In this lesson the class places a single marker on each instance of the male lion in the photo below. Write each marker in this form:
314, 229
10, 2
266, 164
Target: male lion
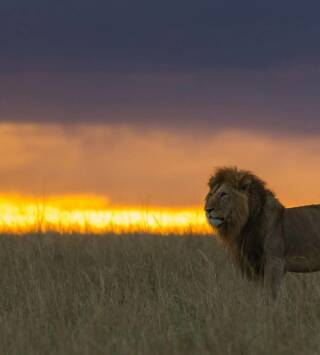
264, 238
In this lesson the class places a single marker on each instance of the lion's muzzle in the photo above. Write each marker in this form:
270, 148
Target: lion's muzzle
213, 217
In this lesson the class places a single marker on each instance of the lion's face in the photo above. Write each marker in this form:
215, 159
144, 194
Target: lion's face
226, 207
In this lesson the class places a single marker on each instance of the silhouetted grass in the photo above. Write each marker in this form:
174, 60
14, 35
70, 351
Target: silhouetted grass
144, 295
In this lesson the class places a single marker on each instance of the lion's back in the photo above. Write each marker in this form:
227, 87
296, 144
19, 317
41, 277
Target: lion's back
301, 227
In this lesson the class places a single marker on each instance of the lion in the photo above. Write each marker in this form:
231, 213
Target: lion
265, 239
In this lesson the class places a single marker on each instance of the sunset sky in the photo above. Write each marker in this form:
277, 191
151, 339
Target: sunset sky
136, 102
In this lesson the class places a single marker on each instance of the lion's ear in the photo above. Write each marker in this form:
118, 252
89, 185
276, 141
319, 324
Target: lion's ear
245, 182
212, 181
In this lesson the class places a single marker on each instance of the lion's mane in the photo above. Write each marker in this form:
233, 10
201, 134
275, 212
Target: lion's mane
246, 245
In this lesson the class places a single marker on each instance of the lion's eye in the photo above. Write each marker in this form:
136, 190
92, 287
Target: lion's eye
222, 193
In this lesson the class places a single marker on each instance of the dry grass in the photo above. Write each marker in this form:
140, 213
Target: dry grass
144, 295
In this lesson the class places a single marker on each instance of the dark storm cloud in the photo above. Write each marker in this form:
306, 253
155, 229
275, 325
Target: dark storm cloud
167, 32
275, 101
212, 63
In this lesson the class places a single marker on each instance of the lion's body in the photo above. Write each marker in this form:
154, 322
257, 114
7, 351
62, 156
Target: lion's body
265, 238
301, 234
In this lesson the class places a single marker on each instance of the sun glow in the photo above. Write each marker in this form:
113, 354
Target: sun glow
92, 214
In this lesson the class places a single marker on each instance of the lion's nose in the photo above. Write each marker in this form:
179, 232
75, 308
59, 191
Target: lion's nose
209, 210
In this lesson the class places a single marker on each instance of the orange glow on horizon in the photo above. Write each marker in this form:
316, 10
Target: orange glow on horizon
166, 167
91, 214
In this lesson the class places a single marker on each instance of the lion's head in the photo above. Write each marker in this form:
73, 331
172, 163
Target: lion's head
233, 197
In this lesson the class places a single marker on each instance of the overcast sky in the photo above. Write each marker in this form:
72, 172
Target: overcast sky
205, 63
138, 100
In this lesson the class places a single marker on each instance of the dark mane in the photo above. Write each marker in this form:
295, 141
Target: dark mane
250, 247
247, 247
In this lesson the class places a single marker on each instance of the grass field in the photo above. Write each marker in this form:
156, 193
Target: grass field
144, 295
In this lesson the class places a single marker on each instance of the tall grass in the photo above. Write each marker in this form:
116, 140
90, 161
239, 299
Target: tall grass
144, 295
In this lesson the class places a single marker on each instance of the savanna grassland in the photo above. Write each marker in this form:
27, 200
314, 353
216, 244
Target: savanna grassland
144, 294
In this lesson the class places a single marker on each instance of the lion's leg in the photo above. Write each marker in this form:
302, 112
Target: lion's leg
273, 273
